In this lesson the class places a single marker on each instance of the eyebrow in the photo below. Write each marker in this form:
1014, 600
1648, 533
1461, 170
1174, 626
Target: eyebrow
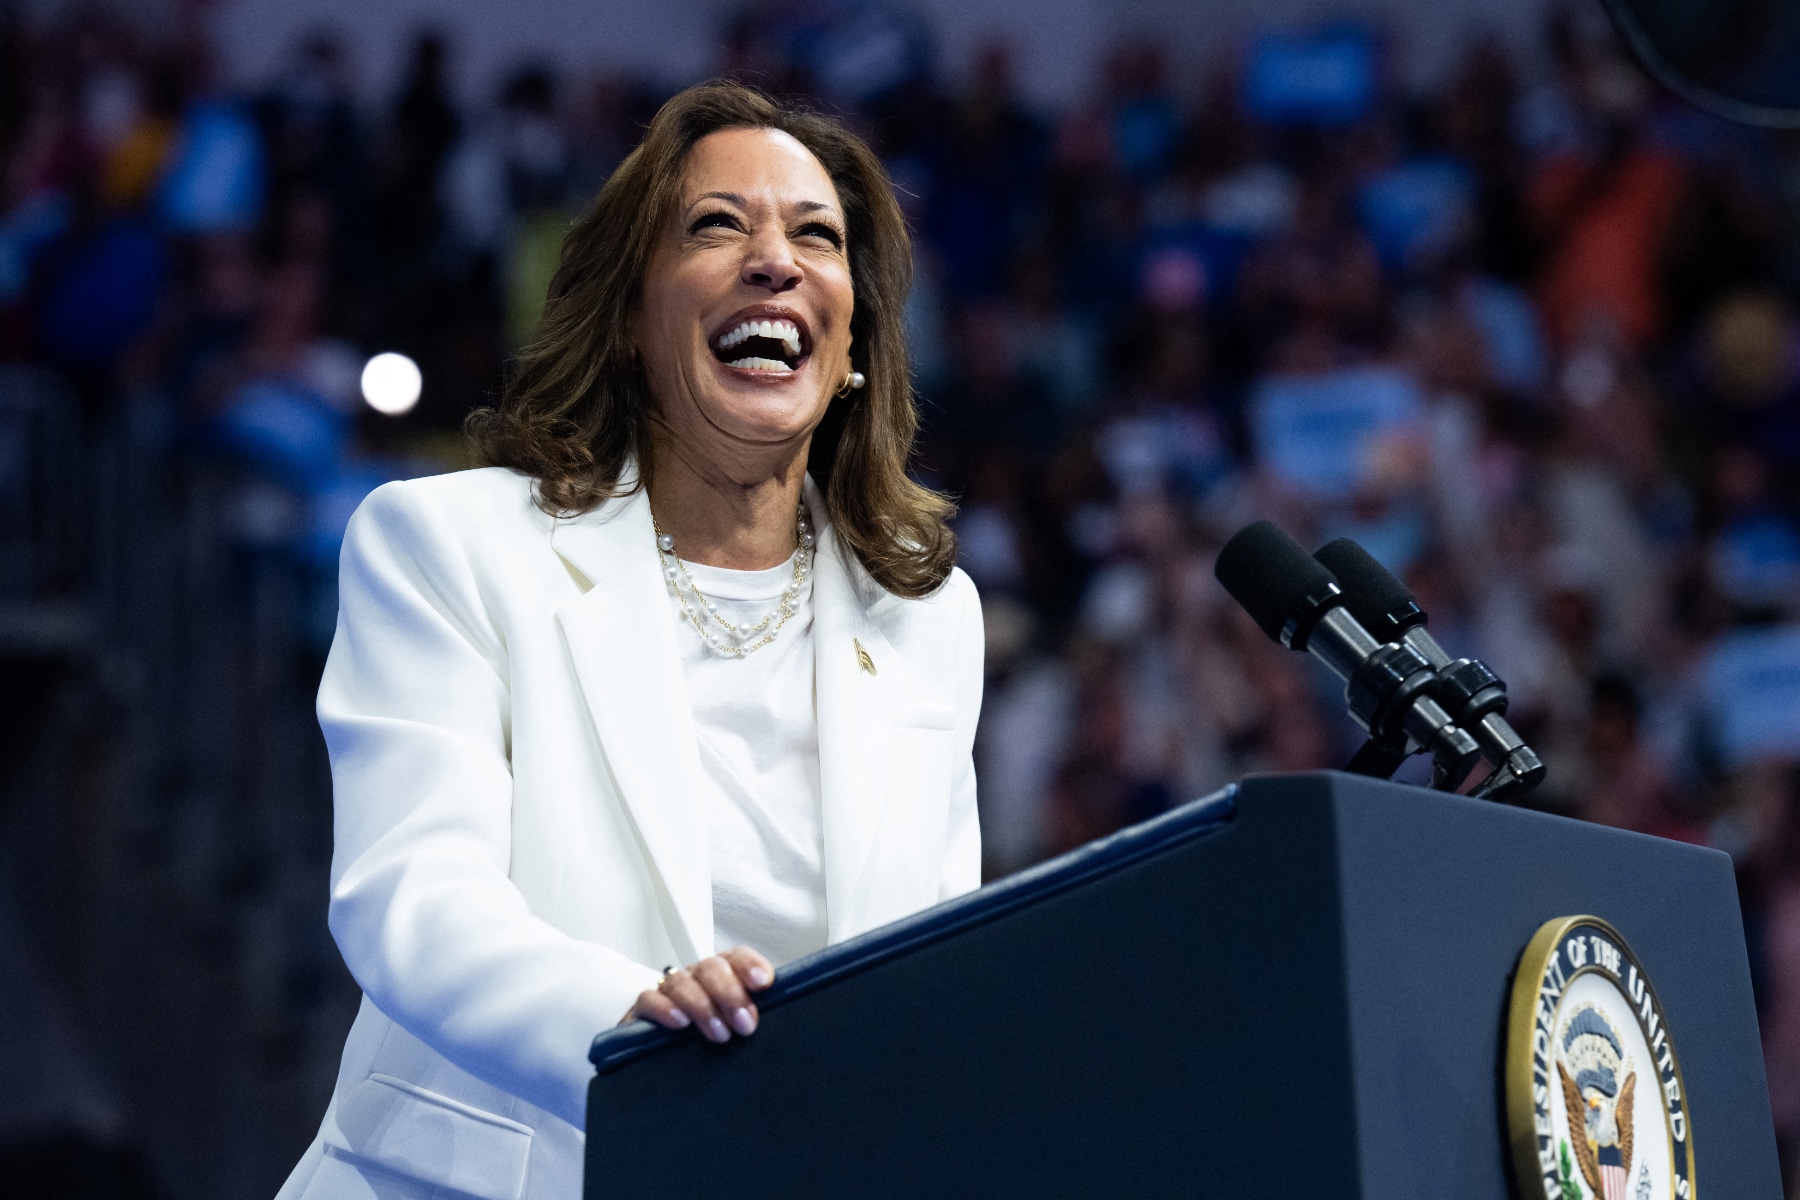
804, 206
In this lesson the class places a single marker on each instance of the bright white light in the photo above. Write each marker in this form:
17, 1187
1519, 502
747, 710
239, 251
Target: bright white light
391, 383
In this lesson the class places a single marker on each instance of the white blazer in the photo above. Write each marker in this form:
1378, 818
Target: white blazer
520, 842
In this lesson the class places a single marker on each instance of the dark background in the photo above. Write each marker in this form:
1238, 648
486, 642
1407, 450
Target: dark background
1520, 322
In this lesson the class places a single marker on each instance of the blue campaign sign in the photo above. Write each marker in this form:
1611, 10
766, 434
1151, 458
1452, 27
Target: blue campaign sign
1319, 433
1325, 77
214, 181
1415, 209
1756, 559
1752, 687
284, 430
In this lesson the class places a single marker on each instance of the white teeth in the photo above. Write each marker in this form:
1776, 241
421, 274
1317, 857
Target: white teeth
784, 331
761, 364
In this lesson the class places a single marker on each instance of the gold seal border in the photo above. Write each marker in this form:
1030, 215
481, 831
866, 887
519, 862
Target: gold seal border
1528, 983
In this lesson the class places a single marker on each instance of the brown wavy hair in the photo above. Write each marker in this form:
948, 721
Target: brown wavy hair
576, 408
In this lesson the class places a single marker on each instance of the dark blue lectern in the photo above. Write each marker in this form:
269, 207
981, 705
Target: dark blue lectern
1296, 988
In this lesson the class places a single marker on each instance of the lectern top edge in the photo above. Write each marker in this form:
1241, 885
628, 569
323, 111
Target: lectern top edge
617, 1047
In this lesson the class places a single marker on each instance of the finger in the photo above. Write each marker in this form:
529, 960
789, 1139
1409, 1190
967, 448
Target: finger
753, 970
652, 1005
687, 993
728, 995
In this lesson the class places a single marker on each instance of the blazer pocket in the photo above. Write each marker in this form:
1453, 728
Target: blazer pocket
926, 716
432, 1138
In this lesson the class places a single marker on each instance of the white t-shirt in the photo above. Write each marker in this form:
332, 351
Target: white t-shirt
756, 719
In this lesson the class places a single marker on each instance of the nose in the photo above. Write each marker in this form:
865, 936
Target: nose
769, 261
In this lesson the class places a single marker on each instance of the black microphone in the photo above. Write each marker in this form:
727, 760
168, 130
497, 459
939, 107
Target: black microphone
1388, 687
1468, 689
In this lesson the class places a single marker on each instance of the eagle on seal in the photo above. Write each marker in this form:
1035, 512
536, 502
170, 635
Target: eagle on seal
1602, 1136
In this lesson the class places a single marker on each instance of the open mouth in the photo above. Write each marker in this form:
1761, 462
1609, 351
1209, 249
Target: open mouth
773, 344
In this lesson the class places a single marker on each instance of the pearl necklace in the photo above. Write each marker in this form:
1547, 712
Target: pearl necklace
699, 610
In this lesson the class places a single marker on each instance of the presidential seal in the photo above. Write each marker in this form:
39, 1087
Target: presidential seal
1594, 1101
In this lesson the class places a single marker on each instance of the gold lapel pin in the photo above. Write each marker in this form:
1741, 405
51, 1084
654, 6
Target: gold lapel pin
862, 657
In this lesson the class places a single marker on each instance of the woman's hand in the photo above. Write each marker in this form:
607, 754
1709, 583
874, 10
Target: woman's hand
714, 994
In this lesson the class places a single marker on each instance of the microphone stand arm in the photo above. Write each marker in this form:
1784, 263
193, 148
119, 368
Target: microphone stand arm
1388, 689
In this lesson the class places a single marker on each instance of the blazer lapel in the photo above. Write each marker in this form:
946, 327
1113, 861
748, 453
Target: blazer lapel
622, 640
857, 703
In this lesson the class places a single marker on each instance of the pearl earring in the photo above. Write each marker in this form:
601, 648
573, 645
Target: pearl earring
853, 380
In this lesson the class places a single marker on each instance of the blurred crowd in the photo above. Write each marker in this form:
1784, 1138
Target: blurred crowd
1530, 336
